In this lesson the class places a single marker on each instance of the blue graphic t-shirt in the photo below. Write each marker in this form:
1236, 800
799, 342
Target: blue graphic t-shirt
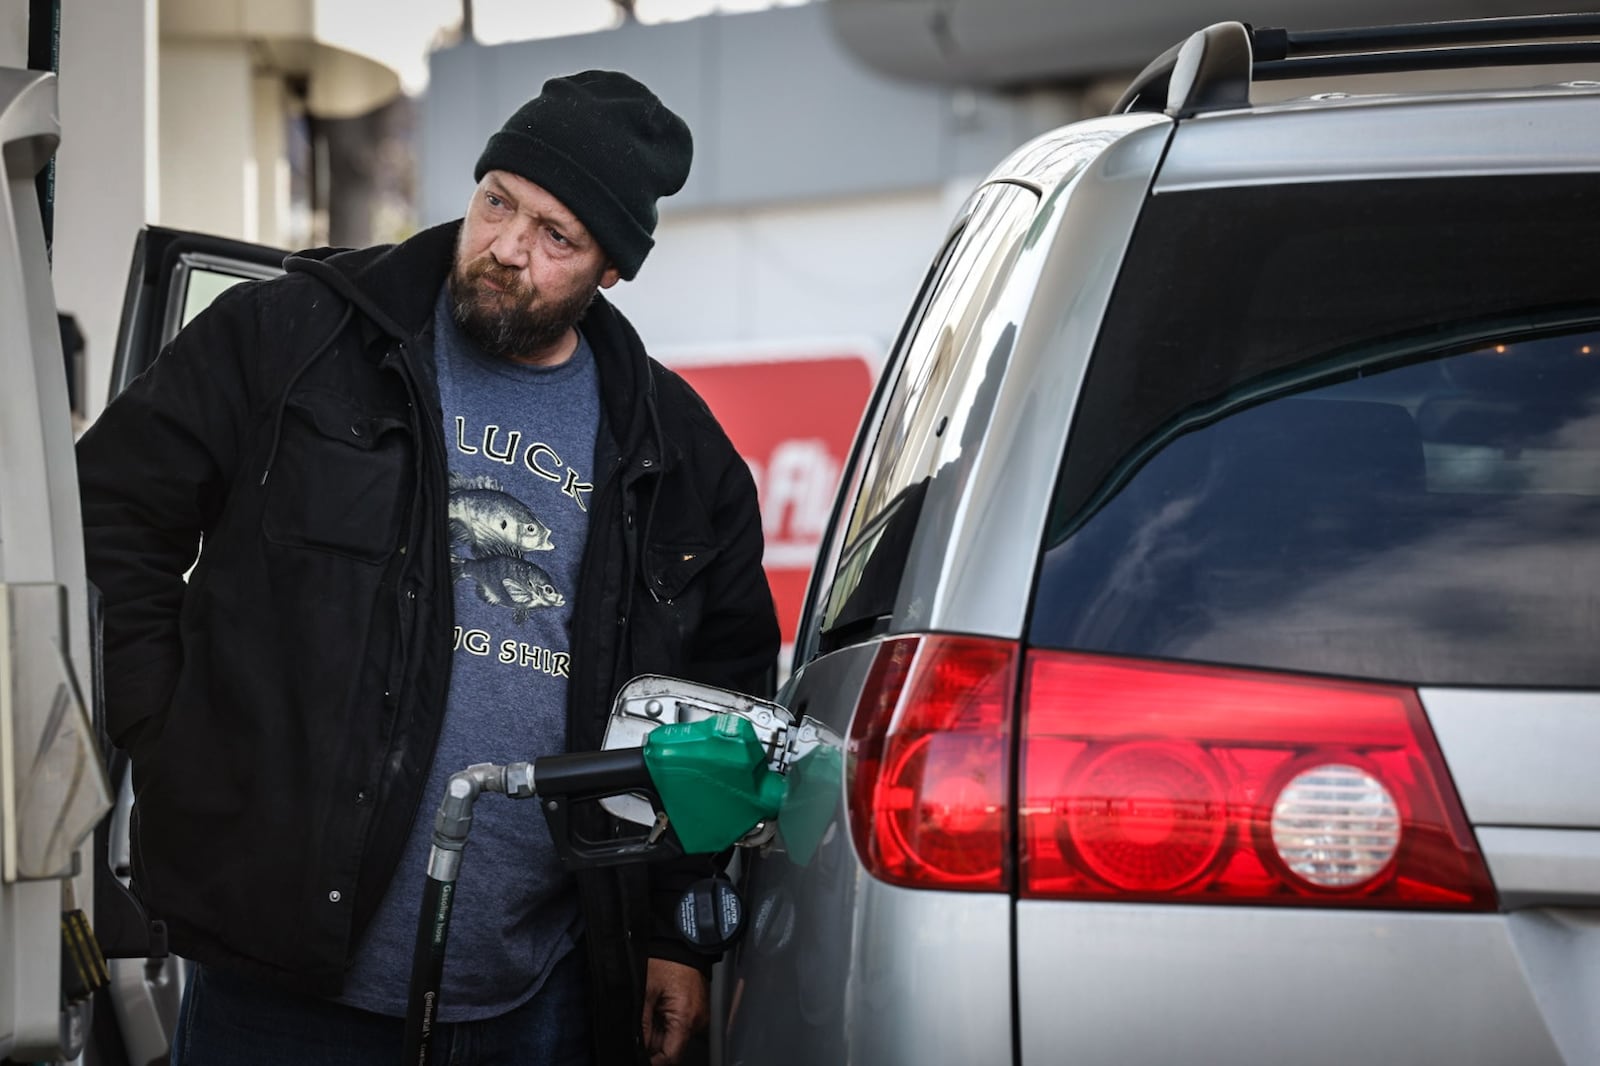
520, 442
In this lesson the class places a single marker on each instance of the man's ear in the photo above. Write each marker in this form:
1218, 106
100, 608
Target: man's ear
611, 276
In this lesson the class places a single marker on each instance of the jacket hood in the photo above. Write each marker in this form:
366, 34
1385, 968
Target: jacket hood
394, 285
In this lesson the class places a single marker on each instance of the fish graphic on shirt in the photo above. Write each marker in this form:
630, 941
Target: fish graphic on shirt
487, 520
508, 581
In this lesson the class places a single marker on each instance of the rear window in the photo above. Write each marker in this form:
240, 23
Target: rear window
1349, 429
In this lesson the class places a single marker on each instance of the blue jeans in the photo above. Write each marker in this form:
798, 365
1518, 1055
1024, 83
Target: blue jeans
227, 1020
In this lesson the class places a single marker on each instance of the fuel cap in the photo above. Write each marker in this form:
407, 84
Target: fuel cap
710, 915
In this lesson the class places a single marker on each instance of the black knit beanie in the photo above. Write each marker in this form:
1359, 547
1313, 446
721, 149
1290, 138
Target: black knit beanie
604, 146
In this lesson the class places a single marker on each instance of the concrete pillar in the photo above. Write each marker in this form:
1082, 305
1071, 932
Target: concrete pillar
271, 114
106, 185
13, 33
209, 177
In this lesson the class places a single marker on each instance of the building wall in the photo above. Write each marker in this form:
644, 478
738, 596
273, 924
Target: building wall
13, 33
779, 110
106, 169
1018, 42
820, 190
180, 112
843, 268
210, 176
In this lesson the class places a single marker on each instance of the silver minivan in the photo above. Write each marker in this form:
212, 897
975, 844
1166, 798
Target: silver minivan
1209, 624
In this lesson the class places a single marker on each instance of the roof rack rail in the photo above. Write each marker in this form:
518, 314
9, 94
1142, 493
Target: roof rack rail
1499, 55
1210, 69
1213, 69
1276, 44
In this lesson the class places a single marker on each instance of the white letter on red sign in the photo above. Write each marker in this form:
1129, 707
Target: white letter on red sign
799, 486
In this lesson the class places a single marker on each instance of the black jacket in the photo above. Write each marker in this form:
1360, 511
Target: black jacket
283, 706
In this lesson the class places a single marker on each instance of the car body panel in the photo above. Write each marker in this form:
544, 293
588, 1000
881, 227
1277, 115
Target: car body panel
1374, 138
1054, 158
1120, 983
826, 972
841, 967
1542, 867
1351, 985
1521, 758
981, 582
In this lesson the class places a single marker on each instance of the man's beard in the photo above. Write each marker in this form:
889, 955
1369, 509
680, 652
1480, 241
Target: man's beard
511, 324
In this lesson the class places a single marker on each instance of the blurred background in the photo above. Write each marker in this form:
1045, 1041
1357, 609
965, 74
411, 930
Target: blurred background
834, 141
834, 138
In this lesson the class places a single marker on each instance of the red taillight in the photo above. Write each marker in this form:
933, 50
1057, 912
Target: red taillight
1189, 783
929, 780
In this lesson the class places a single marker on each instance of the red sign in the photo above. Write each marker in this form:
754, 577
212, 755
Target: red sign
792, 417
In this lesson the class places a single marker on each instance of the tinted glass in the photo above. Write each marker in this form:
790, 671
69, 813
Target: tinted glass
1222, 287
945, 376
1372, 449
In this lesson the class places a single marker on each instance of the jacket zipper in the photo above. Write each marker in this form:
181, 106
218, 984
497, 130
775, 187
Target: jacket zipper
405, 594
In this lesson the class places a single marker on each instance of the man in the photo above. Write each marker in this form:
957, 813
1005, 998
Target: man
444, 505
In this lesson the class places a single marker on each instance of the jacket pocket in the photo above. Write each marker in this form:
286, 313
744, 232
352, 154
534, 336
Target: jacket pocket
669, 569
340, 478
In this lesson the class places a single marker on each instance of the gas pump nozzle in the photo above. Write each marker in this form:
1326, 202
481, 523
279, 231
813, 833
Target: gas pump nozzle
565, 781
708, 781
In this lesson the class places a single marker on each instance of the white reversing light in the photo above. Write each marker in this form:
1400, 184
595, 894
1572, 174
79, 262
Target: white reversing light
1335, 825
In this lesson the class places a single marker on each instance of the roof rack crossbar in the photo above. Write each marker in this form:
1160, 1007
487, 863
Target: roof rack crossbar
1213, 68
1277, 44
1429, 59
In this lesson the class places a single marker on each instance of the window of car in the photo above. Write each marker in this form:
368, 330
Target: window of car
1350, 429
945, 374
172, 277
200, 279
823, 574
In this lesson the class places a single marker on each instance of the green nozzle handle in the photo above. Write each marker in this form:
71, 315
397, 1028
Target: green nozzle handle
713, 779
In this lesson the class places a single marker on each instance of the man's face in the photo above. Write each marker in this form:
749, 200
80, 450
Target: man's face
525, 271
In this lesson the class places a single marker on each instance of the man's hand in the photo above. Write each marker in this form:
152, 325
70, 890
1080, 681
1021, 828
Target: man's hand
675, 1008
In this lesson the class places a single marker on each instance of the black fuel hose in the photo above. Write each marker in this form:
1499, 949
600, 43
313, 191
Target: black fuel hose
427, 968
561, 778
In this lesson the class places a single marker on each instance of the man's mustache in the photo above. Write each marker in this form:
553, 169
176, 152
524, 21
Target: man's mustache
507, 279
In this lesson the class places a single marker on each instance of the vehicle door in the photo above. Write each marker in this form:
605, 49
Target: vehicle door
173, 276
